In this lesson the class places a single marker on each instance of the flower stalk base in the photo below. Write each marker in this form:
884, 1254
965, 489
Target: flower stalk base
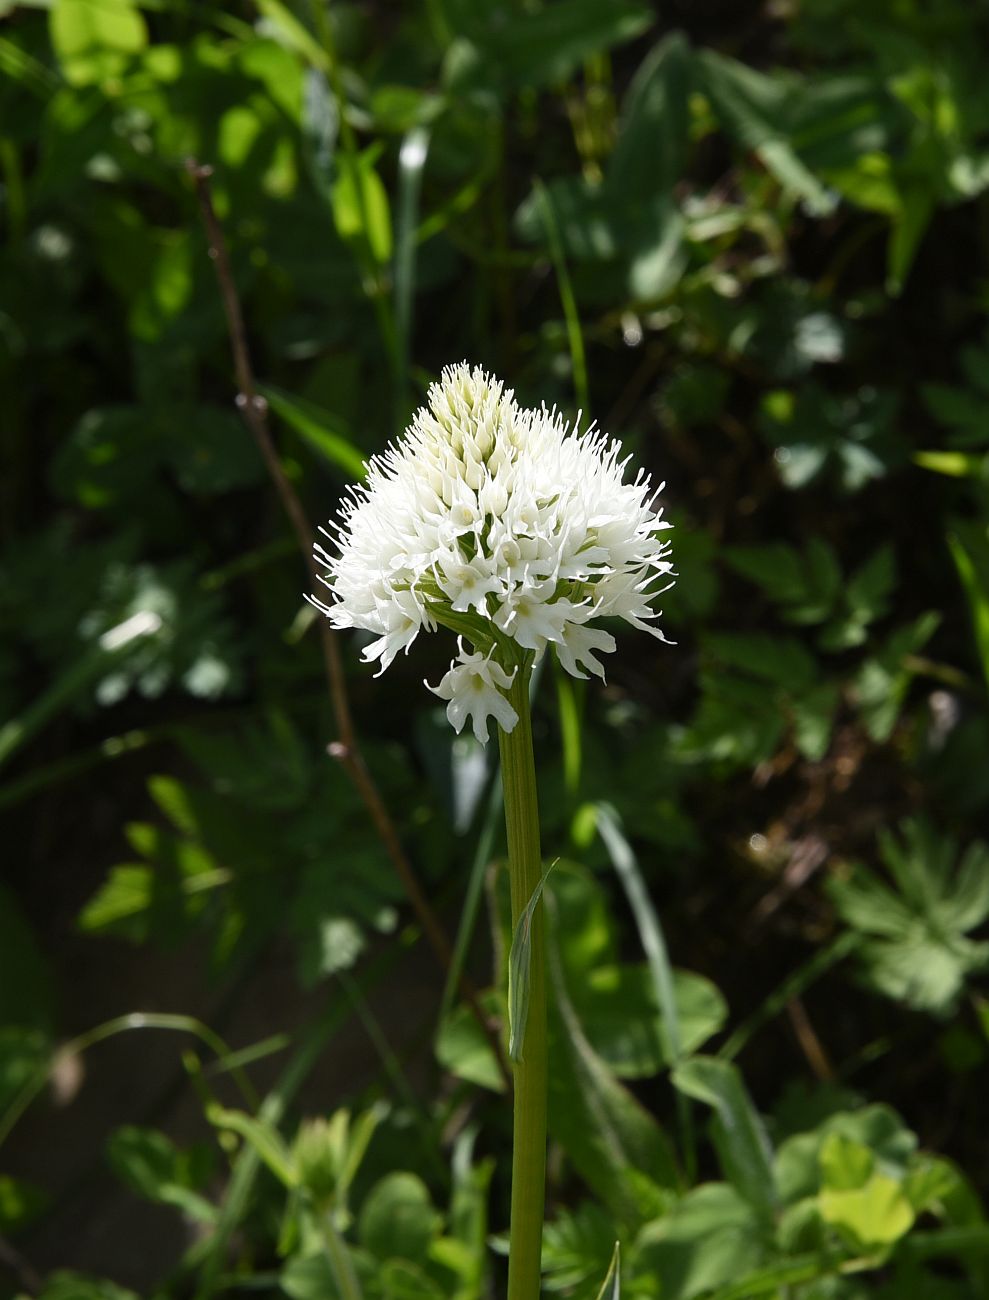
518, 774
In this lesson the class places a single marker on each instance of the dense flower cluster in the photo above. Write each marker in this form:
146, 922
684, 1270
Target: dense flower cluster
506, 526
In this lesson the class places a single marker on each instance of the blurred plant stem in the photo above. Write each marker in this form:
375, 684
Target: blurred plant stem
338, 1258
518, 776
109, 1029
345, 749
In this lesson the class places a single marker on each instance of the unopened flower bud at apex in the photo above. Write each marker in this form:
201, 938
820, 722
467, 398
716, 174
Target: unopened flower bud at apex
505, 525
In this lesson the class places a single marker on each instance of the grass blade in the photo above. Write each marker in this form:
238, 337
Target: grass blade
411, 161
626, 866
318, 428
792, 987
611, 1287
740, 1136
653, 942
575, 337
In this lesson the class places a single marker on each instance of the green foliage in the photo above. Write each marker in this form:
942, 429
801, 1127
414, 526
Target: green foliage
752, 246
917, 948
148, 1162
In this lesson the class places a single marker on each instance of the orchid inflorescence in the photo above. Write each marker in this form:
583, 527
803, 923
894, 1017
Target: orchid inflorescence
505, 525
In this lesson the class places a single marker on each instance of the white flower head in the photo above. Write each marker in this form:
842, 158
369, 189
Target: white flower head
507, 526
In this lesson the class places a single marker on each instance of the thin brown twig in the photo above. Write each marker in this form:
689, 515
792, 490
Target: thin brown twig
345, 749
28, 1277
811, 1046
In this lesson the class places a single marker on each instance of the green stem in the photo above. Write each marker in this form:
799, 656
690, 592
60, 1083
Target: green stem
518, 775
338, 1259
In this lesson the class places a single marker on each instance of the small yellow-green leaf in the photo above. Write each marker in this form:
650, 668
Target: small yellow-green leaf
846, 1165
877, 1214
955, 464
265, 1140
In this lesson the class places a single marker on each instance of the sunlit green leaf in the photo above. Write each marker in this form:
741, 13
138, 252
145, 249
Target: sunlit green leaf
95, 40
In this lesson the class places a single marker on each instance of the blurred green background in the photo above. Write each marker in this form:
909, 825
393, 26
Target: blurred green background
750, 240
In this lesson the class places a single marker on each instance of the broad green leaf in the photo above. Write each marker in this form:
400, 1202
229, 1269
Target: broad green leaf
114, 452
604, 1130
463, 1049
95, 40
741, 1137
618, 1009
505, 48
654, 131
398, 1219
616, 1003
706, 1240
657, 257
405, 1281
295, 34
311, 1277
779, 659
749, 104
